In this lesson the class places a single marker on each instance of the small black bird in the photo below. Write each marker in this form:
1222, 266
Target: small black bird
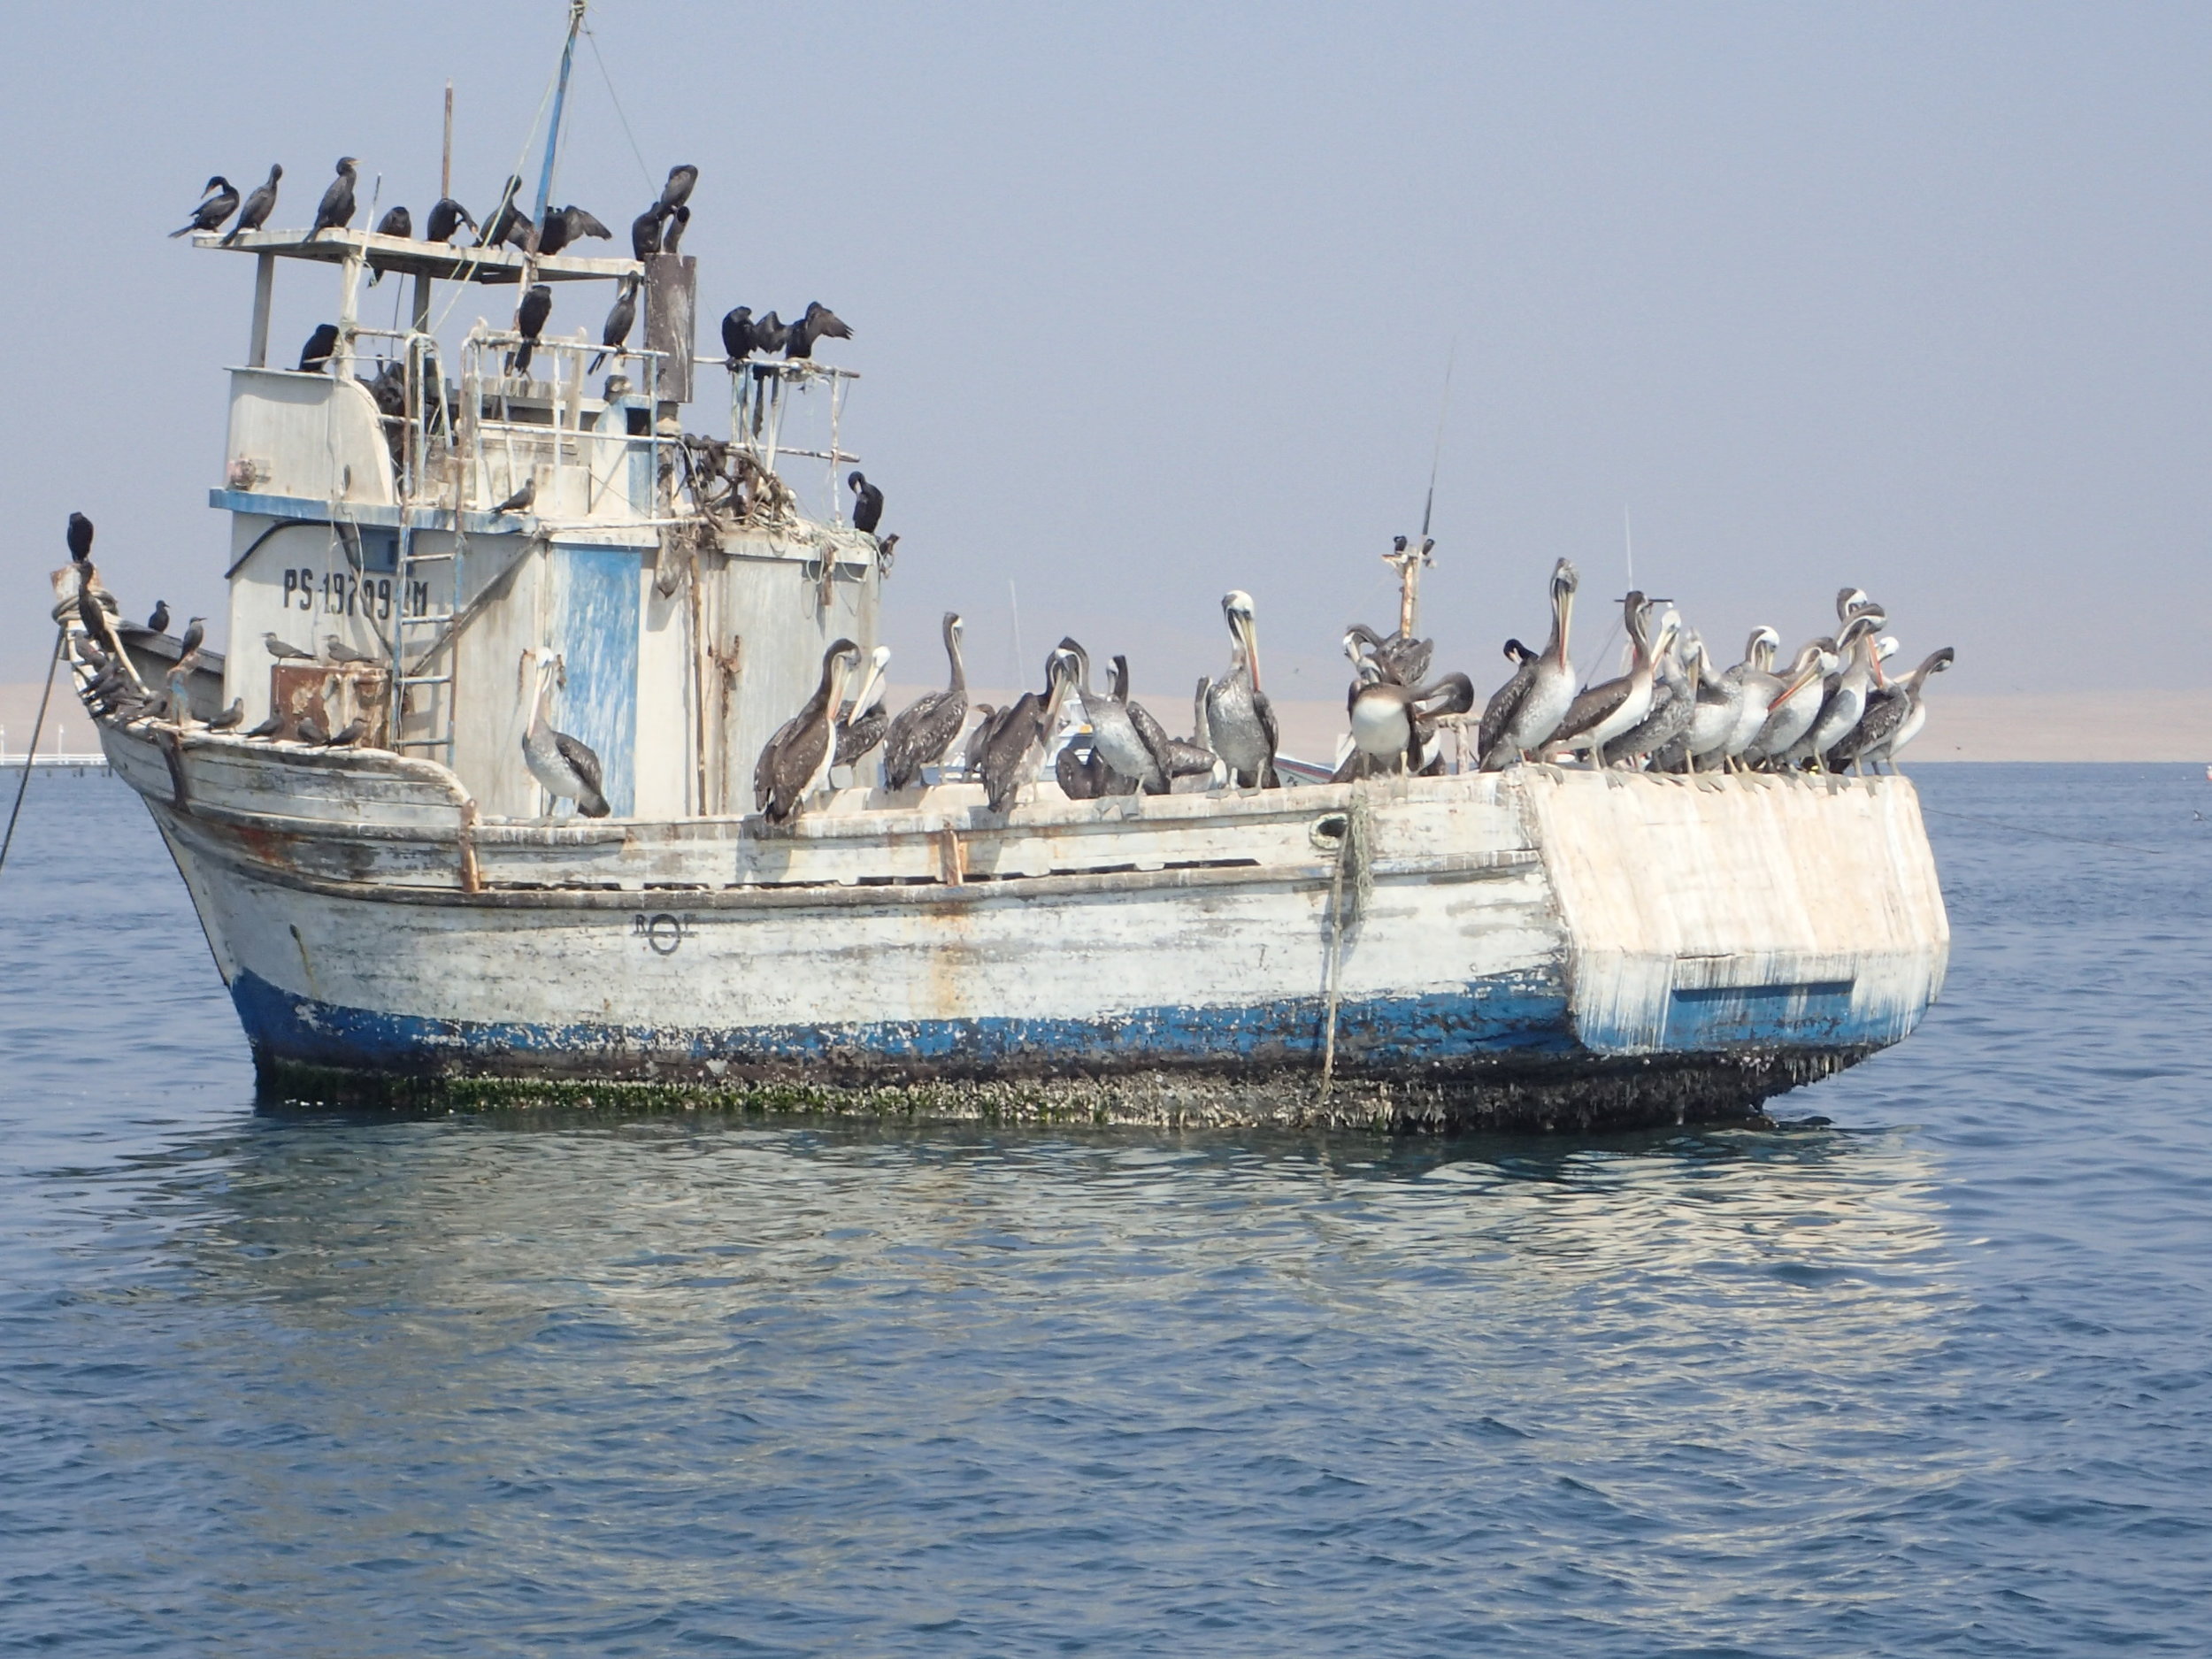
260, 203
530, 315
737, 335
819, 322
315, 355
508, 223
195, 631
519, 502
399, 222
619, 322
217, 202
159, 621
445, 218
229, 717
645, 234
674, 233
553, 233
80, 538
770, 333
677, 191
867, 504
336, 212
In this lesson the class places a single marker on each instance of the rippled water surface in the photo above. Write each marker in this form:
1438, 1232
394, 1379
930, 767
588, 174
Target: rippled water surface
1932, 1380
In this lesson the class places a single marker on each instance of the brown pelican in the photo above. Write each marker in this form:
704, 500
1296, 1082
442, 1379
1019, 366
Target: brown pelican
1845, 702
797, 760
925, 729
1390, 720
1016, 736
861, 722
1082, 776
1760, 687
1525, 712
1401, 661
1893, 718
1176, 758
1791, 712
1673, 705
1719, 707
1114, 735
972, 752
1612, 708
564, 766
1240, 720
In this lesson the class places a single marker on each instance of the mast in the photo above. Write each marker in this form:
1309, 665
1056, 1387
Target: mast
560, 97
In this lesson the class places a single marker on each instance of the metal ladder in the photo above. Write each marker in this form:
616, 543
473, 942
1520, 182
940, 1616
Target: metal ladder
406, 651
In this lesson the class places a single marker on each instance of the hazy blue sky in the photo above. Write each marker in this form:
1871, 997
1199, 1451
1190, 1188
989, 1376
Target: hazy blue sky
1153, 302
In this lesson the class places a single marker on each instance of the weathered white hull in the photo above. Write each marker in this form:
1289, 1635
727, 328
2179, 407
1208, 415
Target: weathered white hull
1533, 948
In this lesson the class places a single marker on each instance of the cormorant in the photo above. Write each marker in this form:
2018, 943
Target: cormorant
336, 209
645, 234
565, 766
819, 323
530, 315
159, 621
446, 219
508, 223
217, 202
867, 499
737, 335
400, 223
80, 538
315, 355
677, 222
768, 333
260, 203
924, 730
620, 320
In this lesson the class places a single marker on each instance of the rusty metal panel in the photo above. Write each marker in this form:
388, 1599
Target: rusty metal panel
672, 319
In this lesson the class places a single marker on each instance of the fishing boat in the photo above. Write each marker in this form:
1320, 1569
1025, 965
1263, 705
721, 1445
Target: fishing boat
421, 521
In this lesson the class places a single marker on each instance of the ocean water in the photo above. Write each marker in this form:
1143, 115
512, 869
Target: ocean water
1931, 1379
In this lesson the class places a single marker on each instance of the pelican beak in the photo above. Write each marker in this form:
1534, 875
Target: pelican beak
1562, 606
1812, 671
1248, 632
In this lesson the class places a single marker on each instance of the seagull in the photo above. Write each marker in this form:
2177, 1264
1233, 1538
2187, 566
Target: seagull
284, 651
195, 631
339, 652
349, 734
229, 717
309, 730
270, 727
519, 502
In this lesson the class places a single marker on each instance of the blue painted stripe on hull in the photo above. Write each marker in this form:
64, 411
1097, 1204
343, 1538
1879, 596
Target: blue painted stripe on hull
1510, 1015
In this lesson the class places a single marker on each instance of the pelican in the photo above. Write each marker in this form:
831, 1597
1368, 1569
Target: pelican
1175, 757
1389, 720
1238, 719
861, 723
1082, 775
1016, 736
1402, 660
1719, 707
566, 767
1526, 711
1114, 734
797, 759
1612, 708
971, 753
924, 730
1845, 703
1893, 718
1760, 687
1791, 712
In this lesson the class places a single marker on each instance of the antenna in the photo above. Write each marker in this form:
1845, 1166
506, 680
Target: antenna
560, 96
445, 167
1628, 543
1436, 459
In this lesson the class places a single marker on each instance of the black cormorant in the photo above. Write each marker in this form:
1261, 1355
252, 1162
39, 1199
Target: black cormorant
218, 202
867, 501
260, 203
336, 209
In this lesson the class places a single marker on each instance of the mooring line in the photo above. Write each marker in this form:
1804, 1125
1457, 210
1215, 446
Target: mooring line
2028, 829
30, 754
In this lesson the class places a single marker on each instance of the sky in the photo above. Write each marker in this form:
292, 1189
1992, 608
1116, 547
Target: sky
1151, 302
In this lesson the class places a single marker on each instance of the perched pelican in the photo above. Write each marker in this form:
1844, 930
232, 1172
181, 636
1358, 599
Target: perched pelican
1893, 718
1612, 708
1845, 702
1016, 736
861, 723
1792, 713
566, 767
1719, 707
1760, 687
1175, 757
1240, 720
1673, 705
971, 753
1114, 734
797, 760
1401, 661
1390, 720
1526, 711
924, 730
1082, 774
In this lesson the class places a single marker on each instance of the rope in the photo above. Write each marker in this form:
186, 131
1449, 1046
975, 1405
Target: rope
644, 171
1352, 857
2024, 829
37, 726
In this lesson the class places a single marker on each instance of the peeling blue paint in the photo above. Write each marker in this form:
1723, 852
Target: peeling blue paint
1512, 1014
595, 630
